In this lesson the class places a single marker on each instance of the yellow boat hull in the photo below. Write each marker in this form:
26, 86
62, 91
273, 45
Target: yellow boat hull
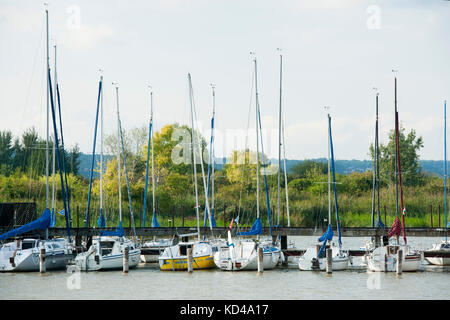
202, 262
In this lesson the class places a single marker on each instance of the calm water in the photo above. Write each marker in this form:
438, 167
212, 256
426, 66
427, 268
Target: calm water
148, 282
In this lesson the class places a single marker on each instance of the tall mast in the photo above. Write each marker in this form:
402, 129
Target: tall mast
212, 152
378, 167
279, 144
285, 180
153, 160
48, 119
118, 153
445, 164
257, 141
193, 152
54, 147
101, 148
399, 165
396, 148
329, 180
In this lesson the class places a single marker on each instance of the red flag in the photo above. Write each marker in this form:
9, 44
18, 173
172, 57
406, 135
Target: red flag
396, 228
231, 224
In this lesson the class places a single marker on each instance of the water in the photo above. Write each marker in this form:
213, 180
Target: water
148, 282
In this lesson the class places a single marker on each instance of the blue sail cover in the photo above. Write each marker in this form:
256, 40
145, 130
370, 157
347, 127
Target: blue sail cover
118, 232
256, 229
101, 222
155, 223
42, 223
328, 235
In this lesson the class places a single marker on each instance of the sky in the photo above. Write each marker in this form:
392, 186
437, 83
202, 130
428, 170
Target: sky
334, 54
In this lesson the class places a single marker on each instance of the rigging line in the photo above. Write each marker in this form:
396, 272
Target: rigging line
30, 81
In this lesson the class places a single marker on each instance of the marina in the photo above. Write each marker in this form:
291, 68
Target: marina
135, 198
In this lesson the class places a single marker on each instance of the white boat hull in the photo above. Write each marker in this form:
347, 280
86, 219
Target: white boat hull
272, 257
309, 262
13, 258
380, 261
443, 247
92, 260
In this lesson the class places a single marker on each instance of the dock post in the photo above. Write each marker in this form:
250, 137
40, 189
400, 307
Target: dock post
42, 268
260, 260
329, 266
190, 260
125, 259
399, 261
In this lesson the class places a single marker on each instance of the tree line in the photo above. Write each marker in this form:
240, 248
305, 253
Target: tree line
235, 183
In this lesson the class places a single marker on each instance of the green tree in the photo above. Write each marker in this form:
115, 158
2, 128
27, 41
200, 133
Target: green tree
301, 169
409, 147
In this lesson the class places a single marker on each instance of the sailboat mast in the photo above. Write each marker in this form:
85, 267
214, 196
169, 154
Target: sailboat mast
118, 154
48, 119
212, 152
399, 165
285, 180
257, 141
329, 180
396, 149
101, 148
193, 154
445, 164
153, 160
54, 148
279, 144
378, 163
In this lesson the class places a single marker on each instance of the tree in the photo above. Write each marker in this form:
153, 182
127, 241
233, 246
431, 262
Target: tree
6, 152
73, 160
301, 169
409, 147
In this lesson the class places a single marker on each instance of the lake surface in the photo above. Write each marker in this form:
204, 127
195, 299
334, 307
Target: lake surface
148, 282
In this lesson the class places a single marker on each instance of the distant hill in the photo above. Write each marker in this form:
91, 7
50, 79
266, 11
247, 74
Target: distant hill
342, 166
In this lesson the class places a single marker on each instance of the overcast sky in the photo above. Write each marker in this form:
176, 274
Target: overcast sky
334, 54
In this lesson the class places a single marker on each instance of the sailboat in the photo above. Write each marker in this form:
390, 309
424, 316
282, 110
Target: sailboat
385, 258
151, 250
107, 250
23, 254
314, 257
175, 258
243, 253
444, 245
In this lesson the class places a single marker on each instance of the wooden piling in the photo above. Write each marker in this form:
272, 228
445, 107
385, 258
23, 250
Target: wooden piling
329, 266
42, 268
190, 260
125, 259
260, 260
399, 261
